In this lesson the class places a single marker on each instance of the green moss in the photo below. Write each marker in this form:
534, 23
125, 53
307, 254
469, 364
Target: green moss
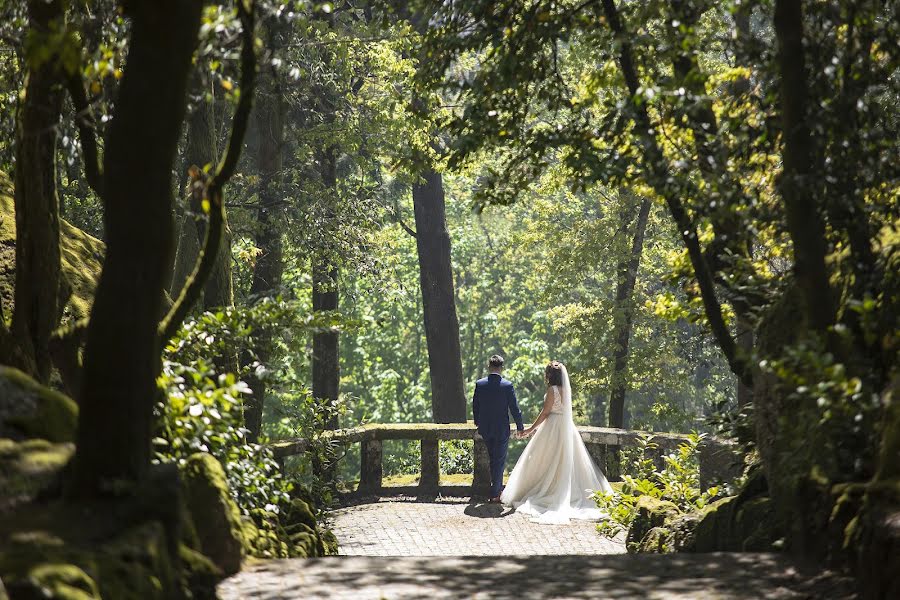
199, 574
756, 526
216, 518
56, 415
64, 582
81, 258
329, 543
30, 466
651, 512
657, 541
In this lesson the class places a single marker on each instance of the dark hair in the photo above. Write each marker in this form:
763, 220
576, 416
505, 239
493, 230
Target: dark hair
495, 362
553, 373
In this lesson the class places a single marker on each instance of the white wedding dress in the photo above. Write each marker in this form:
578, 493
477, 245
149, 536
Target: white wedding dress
554, 478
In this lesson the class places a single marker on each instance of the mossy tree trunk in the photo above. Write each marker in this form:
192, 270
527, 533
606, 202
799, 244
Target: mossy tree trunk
121, 359
448, 396
623, 312
36, 312
267, 272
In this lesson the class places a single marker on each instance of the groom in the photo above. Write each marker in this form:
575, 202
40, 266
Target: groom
494, 399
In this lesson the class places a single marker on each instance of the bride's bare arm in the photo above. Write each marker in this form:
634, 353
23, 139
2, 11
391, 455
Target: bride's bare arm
545, 412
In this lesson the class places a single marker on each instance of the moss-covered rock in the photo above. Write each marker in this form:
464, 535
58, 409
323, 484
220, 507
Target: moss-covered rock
30, 467
330, 543
198, 573
31, 410
54, 580
135, 565
651, 512
745, 522
81, 256
215, 516
657, 541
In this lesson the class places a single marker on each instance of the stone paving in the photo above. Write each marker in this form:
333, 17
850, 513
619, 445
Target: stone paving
456, 527
454, 549
609, 576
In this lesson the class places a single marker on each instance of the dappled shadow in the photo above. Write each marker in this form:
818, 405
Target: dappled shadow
484, 510
727, 576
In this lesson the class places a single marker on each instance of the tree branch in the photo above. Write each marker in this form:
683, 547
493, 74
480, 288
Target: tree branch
190, 293
87, 132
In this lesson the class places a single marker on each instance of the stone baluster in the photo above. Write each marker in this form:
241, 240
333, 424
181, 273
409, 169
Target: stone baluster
370, 472
430, 467
598, 454
481, 478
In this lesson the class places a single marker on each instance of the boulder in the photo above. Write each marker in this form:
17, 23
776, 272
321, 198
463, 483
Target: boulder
81, 257
54, 580
216, 519
134, 565
30, 467
31, 410
651, 512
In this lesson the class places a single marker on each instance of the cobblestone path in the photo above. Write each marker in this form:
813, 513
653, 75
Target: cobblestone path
455, 527
456, 550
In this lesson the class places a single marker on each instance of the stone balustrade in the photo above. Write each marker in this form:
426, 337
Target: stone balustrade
602, 443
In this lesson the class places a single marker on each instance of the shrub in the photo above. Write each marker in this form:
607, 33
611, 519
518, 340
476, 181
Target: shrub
678, 482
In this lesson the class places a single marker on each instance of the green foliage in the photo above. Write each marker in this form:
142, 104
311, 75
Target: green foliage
833, 409
456, 457
677, 482
299, 415
201, 412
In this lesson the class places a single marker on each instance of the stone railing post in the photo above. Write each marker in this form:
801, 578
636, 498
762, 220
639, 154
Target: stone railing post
481, 478
370, 473
430, 467
598, 454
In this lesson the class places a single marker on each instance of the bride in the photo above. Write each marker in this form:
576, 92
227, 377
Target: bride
554, 478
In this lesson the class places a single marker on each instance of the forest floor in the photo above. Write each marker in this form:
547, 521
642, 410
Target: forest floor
402, 549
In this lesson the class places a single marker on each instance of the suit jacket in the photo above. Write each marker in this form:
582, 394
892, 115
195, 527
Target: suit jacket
492, 404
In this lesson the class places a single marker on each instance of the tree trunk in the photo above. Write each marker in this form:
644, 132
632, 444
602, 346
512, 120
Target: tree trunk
798, 190
219, 288
623, 316
36, 312
187, 249
269, 125
122, 354
326, 369
448, 396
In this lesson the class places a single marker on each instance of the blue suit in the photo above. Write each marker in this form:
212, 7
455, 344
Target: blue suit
492, 404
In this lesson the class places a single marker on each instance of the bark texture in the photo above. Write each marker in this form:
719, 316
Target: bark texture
36, 313
219, 288
123, 344
326, 368
269, 127
798, 191
448, 399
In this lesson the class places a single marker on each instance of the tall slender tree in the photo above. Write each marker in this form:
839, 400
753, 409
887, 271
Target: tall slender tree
623, 317
448, 400
326, 374
269, 267
36, 312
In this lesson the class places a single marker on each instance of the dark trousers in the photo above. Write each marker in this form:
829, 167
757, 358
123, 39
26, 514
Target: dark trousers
497, 448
